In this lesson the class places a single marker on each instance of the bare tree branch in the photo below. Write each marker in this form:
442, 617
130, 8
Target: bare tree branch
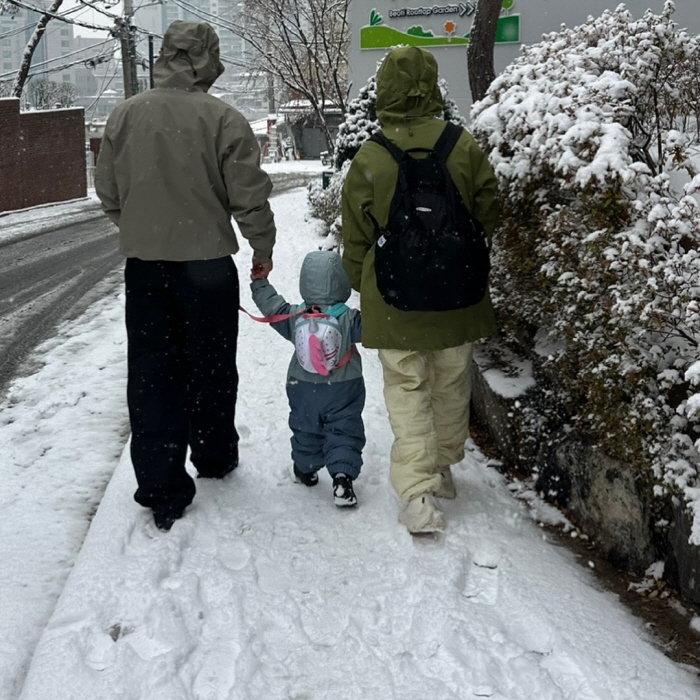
303, 44
39, 30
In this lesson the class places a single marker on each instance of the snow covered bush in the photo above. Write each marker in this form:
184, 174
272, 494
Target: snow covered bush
325, 204
593, 134
359, 124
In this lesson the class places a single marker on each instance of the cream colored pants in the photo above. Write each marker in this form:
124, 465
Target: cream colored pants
427, 397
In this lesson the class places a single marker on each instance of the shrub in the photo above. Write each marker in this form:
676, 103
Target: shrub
325, 204
593, 134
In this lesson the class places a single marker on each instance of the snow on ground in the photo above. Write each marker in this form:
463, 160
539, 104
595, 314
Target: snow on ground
28, 222
299, 166
265, 589
62, 429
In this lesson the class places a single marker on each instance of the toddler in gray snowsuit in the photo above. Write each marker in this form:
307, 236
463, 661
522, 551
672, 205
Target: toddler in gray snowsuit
325, 387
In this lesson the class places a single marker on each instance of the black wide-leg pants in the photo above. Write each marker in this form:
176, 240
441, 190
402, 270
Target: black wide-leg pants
182, 330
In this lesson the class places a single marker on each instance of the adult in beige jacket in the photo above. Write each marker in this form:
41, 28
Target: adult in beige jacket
175, 165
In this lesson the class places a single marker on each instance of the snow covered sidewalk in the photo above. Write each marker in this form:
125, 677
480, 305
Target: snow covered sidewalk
266, 591
37, 220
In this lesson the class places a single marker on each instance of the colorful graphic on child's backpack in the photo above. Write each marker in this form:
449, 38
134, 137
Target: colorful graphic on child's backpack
318, 342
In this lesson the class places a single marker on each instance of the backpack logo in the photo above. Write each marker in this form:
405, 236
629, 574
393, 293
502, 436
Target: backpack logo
317, 342
432, 255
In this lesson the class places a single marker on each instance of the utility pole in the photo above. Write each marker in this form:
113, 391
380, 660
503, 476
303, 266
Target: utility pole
151, 58
127, 36
271, 107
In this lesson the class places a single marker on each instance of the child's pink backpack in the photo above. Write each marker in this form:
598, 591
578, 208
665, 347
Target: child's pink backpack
318, 341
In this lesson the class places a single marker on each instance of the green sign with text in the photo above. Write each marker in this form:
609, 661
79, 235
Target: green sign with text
450, 17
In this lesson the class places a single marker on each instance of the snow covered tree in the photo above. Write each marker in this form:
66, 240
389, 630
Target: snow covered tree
33, 42
593, 134
359, 124
46, 15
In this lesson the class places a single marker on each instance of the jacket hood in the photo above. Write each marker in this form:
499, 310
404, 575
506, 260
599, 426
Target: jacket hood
407, 86
189, 57
322, 280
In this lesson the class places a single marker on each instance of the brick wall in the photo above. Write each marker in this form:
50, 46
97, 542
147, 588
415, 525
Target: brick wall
10, 177
42, 156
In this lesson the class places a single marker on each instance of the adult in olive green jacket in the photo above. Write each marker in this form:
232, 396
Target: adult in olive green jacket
175, 165
426, 356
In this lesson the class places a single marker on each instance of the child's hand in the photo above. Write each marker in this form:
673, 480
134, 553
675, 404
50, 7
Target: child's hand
260, 271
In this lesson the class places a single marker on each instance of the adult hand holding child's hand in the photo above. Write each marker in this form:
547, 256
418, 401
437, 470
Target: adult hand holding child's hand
260, 271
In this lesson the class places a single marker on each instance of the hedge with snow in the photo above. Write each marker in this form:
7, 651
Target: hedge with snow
593, 134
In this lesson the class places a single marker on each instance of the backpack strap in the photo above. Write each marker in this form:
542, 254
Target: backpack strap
345, 358
442, 148
401, 185
337, 310
396, 153
447, 141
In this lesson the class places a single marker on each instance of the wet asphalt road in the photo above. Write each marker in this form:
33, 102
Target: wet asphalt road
52, 276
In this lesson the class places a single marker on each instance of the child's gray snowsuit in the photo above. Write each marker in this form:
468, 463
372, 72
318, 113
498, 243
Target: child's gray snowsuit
325, 411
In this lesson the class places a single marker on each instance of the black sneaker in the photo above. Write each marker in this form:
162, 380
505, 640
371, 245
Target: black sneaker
343, 492
306, 478
217, 474
165, 520
214, 468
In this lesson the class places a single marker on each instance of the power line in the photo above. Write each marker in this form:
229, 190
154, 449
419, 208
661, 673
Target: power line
88, 4
54, 69
61, 17
30, 25
58, 58
103, 89
66, 55
206, 16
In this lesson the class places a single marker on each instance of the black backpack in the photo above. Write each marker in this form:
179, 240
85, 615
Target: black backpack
433, 254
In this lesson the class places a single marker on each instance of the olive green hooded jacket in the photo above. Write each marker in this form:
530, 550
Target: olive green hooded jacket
410, 108
176, 163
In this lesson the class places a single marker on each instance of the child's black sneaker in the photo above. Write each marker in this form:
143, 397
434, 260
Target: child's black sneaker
343, 492
306, 478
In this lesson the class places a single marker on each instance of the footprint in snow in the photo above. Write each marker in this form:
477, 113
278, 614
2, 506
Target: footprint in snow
481, 576
217, 675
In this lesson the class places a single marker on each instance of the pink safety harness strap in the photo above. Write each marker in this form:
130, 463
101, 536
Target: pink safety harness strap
275, 318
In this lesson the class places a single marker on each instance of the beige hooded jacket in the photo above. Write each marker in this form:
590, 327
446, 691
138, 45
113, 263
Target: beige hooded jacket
176, 163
